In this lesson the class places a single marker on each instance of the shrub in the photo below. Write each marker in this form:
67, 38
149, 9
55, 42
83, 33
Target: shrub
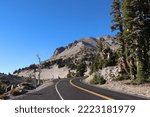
122, 77
147, 80
71, 74
137, 82
98, 80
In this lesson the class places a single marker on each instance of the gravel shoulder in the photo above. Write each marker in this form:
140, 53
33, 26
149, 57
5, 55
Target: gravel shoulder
123, 86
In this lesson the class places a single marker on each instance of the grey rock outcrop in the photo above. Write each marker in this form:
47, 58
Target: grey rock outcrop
59, 50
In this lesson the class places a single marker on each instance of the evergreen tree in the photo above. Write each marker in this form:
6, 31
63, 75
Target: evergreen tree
81, 69
118, 25
136, 33
127, 12
117, 16
132, 19
146, 34
96, 64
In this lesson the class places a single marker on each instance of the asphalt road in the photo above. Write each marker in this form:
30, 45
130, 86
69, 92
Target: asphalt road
74, 89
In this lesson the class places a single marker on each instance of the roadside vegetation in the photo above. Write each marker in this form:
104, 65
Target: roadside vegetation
131, 21
97, 79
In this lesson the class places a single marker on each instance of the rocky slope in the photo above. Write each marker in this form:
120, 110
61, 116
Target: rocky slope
75, 49
11, 85
66, 58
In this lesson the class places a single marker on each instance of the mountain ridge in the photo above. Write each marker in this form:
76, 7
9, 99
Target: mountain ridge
67, 58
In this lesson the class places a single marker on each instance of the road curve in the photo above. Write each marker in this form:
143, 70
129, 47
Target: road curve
74, 89
108, 94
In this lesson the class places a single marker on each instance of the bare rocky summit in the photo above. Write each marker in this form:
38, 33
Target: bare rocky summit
75, 48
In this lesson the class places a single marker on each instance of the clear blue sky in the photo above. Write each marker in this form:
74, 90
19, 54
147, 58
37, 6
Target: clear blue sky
30, 27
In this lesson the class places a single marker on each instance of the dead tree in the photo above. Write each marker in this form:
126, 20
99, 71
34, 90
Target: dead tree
39, 70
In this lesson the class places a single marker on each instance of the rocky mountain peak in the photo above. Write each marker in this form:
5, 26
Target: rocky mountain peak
89, 41
74, 48
59, 50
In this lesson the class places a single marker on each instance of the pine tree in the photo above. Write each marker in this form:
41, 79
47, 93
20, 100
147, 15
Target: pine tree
136, 18
81, 69
146, 34
117, 16
118, 24
127, 12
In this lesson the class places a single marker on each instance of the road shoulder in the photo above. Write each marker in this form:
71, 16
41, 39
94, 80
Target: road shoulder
121, 88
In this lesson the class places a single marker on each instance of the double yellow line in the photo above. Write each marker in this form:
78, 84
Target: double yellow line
91, 92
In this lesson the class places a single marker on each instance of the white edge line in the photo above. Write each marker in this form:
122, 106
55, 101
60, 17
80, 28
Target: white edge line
58, 91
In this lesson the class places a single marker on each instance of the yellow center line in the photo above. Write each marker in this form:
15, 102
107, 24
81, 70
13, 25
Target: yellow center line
91, 92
